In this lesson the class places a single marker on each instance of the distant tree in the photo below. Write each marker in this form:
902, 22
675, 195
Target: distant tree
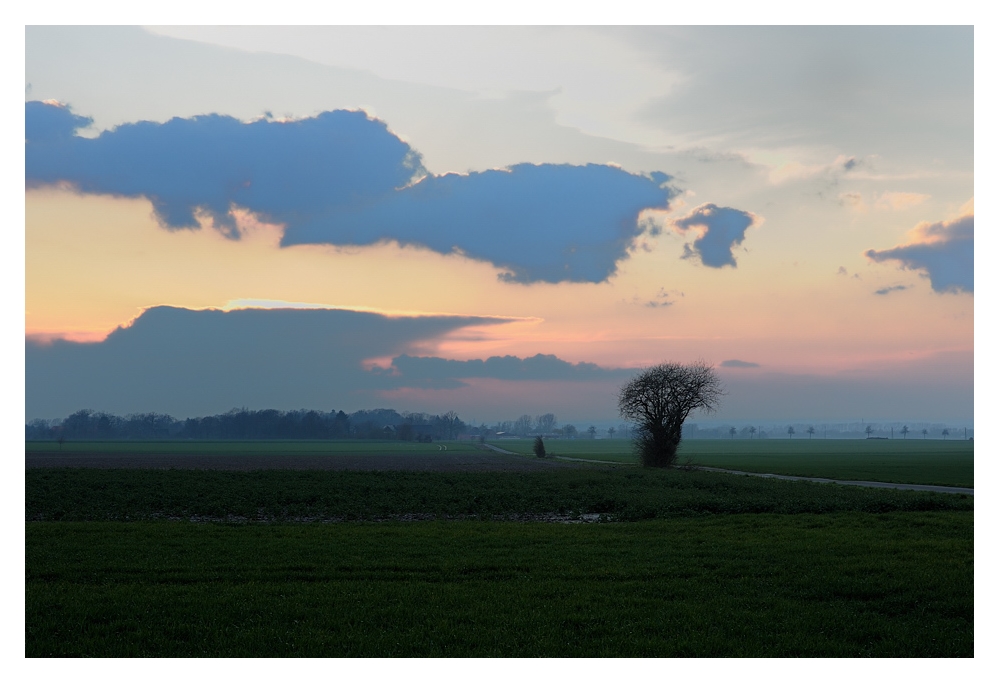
810, 430
868, 431
752, 431
569, 431
522, 425
925, 432
546, 423
592, 431
946, 433
659, 399
611, 432
731, 432
451, 423
539, 446
905, 430
790, 432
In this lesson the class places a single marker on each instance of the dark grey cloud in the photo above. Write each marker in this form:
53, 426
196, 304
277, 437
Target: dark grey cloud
735, 363
343, 178
887, 290
944, 252
200, 362
186, 362
433, 372
723, 228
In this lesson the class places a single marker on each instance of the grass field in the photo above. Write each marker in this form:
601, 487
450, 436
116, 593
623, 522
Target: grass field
916, 461
835, 585
290, 447
58, 494
185, 562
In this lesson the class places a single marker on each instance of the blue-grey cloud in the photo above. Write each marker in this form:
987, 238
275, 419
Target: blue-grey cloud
735, 363
723, 228
289, 172
888, 290
187, 362
433, 372
539, 222
200, 362
944, 252
343, 178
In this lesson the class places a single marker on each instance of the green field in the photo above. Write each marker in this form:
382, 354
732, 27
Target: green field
257, 447
945, 463
59, 494
835, 585
183, 562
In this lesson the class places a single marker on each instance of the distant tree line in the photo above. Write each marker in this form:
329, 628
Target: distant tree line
256, 424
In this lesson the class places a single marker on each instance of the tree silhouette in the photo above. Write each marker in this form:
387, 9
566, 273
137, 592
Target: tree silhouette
610, 432
810, 430
905, 430
868, 431
731, 432
924, 433
592, 431
790, 432
946, 433
659, 399
539, 447
752, 430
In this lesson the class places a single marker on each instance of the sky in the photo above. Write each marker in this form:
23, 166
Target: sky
499, 220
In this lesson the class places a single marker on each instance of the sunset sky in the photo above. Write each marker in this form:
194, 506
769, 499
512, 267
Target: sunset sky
321, 217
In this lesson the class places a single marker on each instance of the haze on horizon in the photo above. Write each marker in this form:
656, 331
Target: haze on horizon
352, 217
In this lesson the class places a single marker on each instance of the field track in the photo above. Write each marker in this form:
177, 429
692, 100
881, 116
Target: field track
468, 461
868, 484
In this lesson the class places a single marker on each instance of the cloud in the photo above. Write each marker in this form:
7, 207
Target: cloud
432, 372
194, 362
899, 201
895, 288
200, 362
944, 252
343, 178
722, 227
734, 363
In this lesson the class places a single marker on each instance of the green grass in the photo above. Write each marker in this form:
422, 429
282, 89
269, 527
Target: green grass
945, 463
836, 585
253, 447
62, 494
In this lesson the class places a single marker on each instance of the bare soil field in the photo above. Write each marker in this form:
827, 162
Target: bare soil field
476, 461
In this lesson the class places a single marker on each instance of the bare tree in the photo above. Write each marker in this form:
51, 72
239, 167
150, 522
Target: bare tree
611, 432
659, 399
868, 431
522, 425
810, 430
451, 422
592, 431
905, 430
790, 432
546, 423
752, 430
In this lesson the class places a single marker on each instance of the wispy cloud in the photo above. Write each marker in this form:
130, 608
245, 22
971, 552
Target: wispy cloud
944, 252
735, 363
887, 290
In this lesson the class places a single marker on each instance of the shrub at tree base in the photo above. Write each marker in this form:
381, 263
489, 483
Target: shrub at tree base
539, 447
